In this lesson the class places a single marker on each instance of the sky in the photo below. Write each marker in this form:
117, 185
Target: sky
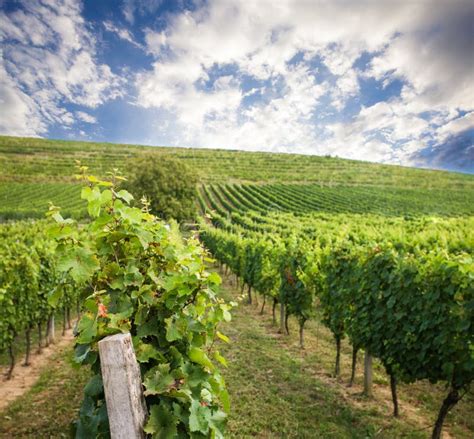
384, 81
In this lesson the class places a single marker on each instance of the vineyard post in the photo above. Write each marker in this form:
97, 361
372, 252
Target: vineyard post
64, 320
123, 387
354, 364
368, 373
282, 317
51, 337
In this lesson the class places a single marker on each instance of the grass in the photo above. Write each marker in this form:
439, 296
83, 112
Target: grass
277, 390
47, 409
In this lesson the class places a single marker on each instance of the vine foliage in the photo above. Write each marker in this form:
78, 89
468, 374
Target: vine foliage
140, 276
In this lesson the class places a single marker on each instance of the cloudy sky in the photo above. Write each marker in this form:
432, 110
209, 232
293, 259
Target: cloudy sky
388, 81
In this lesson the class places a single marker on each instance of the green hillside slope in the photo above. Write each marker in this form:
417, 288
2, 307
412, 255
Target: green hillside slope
35, 171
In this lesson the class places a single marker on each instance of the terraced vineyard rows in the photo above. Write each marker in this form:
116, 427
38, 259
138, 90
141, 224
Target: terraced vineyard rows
30, 200
396, 282
24, 159
243, 180
304, 199
381, 255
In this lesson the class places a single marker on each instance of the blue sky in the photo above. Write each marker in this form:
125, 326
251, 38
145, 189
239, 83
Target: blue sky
381, 81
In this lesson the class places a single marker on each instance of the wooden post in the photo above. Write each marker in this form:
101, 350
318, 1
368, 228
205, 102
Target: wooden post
51, 336
367, 373
123, 387
282, 318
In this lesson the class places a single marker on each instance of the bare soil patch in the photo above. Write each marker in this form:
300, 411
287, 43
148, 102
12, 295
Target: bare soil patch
24, 377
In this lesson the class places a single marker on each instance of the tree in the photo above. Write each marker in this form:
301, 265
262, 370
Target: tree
168, 184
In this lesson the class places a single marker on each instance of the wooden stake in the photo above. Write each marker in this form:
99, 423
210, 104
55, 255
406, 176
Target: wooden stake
368, 373
123, 387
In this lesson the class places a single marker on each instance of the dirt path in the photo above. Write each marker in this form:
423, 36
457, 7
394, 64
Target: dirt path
25, 377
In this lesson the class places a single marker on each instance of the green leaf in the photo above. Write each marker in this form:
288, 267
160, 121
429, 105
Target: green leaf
172, 331
145, 352
225, 400
87, 328
124, 195
145, 237
215, 278
220, 358
62, 231
106, 196
57, 217
223, 337
54, 296
198, 356
94, 387
84, 355
120, 321
158, 380
199, 417
161, 423
225, 313
80, 262
218, 424
93, 207
89, 194
131, 214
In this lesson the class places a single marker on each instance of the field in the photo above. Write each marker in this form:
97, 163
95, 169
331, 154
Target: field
27, 159
36, 171
287, 231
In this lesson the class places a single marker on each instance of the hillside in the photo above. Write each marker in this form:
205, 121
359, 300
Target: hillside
35, 171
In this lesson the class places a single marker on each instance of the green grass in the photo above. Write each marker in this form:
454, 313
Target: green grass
279, 390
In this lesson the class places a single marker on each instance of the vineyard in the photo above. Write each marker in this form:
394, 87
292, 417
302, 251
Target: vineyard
381, 256
28, 159
32, 288
376, 281
38, 171
302, 199
127, 272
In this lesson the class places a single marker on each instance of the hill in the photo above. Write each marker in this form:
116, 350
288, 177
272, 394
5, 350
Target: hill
35, 171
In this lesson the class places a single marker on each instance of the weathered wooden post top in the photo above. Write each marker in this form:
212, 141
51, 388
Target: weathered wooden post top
123, 387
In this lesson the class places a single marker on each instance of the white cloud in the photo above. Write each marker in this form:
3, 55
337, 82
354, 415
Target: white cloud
19, 116
128, 10
376, 131
437, 59
347, 86
122, 33
282, 76
49, 56
85, 117
412, 41
455, 126
154, 41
